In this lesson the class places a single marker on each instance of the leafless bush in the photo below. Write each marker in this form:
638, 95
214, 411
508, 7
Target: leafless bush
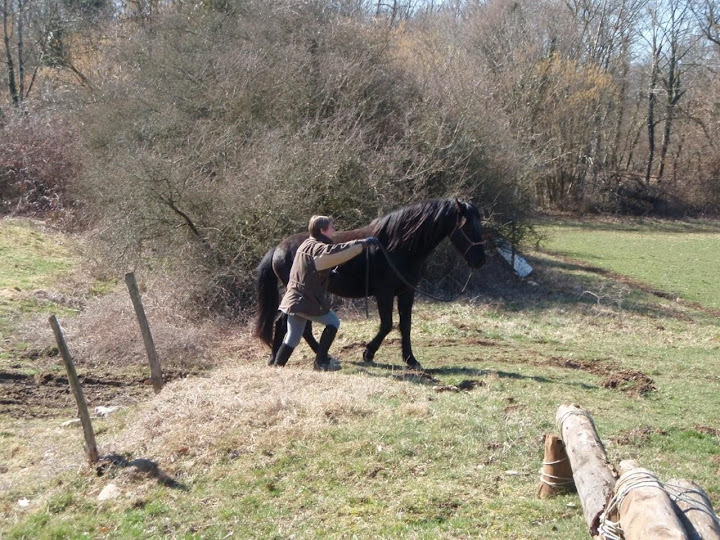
223, 133
106, 334
38, 157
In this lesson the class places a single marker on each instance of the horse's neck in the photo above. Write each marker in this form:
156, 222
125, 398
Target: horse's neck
355, 234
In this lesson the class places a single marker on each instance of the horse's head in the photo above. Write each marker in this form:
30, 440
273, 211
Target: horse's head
467, 236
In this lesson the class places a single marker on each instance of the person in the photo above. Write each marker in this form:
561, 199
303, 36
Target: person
306, 296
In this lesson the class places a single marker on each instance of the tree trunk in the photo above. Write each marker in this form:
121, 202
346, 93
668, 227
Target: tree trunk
646, 510
700, 519
672, 84
7, 31
593, 475
652, 98
20, 52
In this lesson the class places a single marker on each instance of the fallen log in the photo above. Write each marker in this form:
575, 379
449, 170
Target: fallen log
696, 511
593, 474
556, 474
644, 509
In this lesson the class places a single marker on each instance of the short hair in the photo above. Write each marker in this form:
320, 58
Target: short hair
317, 224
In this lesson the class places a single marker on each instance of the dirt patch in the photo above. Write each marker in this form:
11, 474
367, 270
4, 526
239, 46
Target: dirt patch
708, 430
634, 383
636, 436
48, 395
630, 381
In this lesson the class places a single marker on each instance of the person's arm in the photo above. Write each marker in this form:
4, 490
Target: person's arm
337, 254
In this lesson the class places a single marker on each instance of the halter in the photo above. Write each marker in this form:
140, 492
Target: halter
459, 224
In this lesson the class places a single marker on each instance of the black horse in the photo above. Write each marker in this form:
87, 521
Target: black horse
408, 236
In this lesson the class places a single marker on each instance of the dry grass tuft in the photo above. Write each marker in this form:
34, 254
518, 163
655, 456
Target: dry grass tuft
242, 409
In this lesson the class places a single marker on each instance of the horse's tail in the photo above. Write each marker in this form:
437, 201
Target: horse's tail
268, 298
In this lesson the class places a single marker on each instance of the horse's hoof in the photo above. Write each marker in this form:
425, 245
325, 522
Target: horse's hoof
414, 365
271, 360
368, 357
327, 366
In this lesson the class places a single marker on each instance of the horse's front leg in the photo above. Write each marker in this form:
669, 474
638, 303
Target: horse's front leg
385, 307
405, 305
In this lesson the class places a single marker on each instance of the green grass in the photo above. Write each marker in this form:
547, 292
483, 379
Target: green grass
679, 258
405, 460
32, 258
33, 261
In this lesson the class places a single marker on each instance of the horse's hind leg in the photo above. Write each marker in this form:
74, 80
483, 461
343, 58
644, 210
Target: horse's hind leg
278, 335
385, 307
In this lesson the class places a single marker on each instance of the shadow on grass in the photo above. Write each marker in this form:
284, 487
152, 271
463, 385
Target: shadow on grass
428, 376
140, 466
568, 284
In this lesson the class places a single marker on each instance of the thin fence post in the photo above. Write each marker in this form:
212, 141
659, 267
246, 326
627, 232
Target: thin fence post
155, 371
90, 446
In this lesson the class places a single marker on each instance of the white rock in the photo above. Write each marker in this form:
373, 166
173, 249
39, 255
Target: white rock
23, 503
111, 491
104, 411
69, 423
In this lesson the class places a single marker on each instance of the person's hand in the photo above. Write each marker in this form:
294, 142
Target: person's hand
370, 240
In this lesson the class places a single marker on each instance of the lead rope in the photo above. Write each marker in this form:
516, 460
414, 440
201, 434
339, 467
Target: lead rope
458, 227
413, 287
367, 280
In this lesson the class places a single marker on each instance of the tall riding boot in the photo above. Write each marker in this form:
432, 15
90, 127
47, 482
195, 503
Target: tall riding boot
283, 355
322, 360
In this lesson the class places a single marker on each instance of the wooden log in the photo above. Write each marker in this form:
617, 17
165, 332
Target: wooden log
696, 511
645, 509
155, 371
90, 446
593, 474
556, 474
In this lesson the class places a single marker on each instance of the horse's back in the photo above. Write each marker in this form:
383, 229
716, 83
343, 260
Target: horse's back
284, 255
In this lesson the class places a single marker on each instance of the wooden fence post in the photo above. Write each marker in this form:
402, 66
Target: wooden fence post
90, 446
155, 371
556, 474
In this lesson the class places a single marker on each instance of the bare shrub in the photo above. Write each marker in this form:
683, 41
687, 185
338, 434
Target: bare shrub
38, 158
105, 335
228, 131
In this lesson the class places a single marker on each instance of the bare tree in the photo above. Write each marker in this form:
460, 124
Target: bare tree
10, 14
707, 13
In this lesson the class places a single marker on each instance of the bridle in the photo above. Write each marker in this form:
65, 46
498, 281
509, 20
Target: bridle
460, 223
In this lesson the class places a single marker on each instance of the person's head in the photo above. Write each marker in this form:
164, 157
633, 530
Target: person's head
321, 225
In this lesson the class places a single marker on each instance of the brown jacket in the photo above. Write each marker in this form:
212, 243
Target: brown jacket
309, 275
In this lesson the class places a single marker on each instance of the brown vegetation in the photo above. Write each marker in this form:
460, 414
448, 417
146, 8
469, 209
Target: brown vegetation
192, 137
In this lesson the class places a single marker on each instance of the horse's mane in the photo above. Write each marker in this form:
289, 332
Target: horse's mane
416, 226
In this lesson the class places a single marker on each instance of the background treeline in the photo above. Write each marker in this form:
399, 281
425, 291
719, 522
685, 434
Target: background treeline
192, 135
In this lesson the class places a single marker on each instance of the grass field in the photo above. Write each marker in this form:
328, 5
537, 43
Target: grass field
681, 258
375, 452
32, 260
